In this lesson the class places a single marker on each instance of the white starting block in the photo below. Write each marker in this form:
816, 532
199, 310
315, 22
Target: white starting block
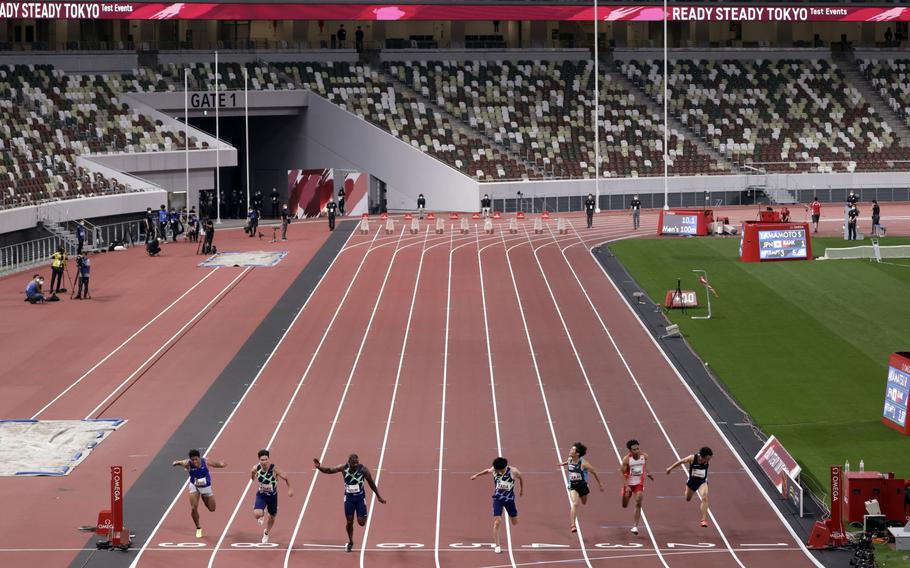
464, 226
513, 226
488, 226
364, 226
415, 226
538, 226
561, 226
440, 226
901, 536
389, 226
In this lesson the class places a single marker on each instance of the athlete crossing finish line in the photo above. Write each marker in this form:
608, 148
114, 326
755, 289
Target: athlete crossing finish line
633, 470
200, 484
266, 474
578, 469
353, 476
504, 478
698, 478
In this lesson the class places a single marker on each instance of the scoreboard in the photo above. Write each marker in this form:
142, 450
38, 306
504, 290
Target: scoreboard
897, 391
685, 222
782, 243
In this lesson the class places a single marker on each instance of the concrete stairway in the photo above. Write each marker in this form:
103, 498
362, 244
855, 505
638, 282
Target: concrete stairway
873, 97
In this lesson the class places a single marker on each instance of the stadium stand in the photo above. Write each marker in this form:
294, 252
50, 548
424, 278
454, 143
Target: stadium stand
891, 77
785, 115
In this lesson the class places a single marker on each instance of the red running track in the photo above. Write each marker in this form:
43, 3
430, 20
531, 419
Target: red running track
156, 334
429, 355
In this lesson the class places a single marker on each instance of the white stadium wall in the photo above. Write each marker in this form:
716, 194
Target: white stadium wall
27, 217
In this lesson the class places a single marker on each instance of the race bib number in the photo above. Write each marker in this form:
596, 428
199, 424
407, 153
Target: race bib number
266, 488
574, 476
352, 489
201, 482
699, 473
504, 485
636, 470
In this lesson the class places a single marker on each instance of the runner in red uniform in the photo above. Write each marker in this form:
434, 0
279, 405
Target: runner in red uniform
816, 208
633, 470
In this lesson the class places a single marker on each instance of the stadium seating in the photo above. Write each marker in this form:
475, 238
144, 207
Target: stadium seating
543, 111
892, 79
784, 116
49, 118
169, 77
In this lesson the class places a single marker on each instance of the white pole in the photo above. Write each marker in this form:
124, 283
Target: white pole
186, 132
596, 113
217, 145
666, 126
246, 126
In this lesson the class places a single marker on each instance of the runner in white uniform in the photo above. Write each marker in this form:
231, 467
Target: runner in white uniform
634, 469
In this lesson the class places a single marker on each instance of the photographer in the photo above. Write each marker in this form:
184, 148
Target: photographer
80, 236
83, 268
173, 219
33, 290
208, 228
192, 222
253, 221
285, 221
58, 265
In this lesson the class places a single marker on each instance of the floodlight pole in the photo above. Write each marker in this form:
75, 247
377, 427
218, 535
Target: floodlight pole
666, 126
186, 132
246, 126
596, 112
217, 145
707, 295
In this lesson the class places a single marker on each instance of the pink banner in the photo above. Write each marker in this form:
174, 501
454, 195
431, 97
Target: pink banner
777, 462
182, 11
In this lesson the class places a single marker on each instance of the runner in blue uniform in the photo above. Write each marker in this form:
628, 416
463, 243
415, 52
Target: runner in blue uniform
353, 474
200, 484
698, 478
504, 478
578, 469
265, 475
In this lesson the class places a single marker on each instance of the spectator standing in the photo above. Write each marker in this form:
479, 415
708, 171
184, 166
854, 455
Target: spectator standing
80, 236
330, 209
358, 43
636, 211
285, 221
877, 229
150, 218
590, 205
852, 199
852, 217
257, 200
275, 197
341, 195
816, 208
192, 222
485, 206
421, 205
889, 37
174, 220
162, 223
58, 265
342, 35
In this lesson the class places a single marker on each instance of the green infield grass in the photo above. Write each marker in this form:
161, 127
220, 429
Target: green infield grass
802, 345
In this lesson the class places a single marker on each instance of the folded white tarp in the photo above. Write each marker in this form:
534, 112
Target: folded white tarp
50, 447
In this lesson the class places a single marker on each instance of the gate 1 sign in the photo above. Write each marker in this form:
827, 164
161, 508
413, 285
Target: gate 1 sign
896, 393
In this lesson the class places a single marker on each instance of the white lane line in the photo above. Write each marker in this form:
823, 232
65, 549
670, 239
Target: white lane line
388, 422
119, 347
710, 420
442, 412
167, 344
243, 398
543, 394
341, 401
486, 332
584, 373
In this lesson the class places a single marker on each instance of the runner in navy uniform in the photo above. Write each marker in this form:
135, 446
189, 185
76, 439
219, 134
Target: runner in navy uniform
266, 474
504, 478
200, 484
354, 475
698, 478
578, 469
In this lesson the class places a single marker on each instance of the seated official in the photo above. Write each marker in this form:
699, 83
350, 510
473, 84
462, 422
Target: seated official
33, 292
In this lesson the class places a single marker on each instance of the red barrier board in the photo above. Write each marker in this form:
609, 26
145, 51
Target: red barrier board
897, 392
761, 242
686, 222
777, 462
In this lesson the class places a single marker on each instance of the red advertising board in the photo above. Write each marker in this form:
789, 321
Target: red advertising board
685, 222
760, 242
51, 10
777, 462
